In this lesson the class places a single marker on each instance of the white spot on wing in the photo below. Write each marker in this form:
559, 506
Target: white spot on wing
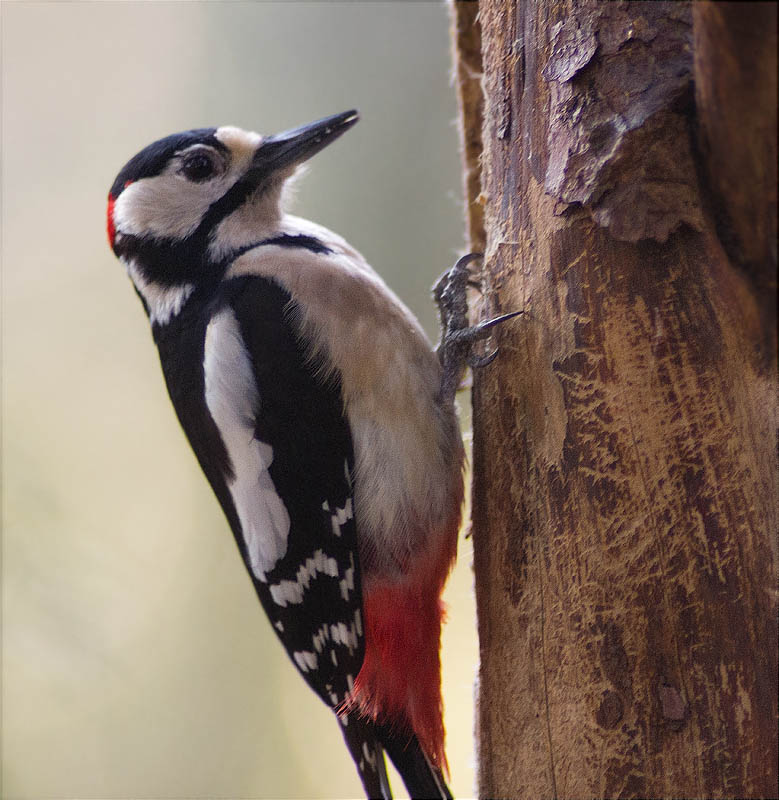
344, 634
345, 513
339, 516
305, 659
286, 593
291, 592
233, 400
320, 637
347, 583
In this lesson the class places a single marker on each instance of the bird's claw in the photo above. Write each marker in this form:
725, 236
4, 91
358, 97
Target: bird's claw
458, 338
477, 362
491, 323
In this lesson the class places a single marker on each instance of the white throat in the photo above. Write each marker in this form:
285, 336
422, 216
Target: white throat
163, 302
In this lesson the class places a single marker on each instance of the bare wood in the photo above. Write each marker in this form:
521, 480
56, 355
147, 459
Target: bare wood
625, 504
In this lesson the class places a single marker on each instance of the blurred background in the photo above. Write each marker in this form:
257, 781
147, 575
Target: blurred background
136, 659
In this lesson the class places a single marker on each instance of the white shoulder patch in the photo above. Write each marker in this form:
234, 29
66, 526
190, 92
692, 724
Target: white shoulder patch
233, 399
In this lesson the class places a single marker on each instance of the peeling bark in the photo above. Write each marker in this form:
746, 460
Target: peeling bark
625, 501
616, 143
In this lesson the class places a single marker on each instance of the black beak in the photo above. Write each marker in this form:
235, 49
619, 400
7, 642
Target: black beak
297, 145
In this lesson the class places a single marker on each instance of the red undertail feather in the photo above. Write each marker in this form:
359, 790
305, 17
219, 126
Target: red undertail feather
400, 679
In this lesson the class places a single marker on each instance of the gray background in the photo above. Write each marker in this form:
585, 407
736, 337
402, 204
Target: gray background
136, 659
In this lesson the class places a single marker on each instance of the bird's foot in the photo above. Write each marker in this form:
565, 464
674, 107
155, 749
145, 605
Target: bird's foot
458, 338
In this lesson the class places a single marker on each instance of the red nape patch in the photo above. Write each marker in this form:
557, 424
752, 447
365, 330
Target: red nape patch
400, 679
111, 228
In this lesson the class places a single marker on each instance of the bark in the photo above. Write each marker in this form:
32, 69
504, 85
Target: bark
735, 88
467, 58
625, 503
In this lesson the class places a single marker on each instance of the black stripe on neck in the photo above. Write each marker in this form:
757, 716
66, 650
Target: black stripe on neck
301, 240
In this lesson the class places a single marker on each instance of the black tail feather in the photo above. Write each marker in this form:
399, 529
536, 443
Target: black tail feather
368, 741
423, 780
368, 755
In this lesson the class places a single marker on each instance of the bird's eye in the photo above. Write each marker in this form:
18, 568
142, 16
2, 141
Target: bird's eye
197, 167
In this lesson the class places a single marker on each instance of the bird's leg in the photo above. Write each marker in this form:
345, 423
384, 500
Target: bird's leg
456, 348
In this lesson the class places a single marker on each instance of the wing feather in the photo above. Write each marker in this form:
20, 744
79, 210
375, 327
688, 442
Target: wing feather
292, 459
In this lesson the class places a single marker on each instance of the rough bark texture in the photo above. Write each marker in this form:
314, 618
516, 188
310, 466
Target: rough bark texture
625, 501
467, 61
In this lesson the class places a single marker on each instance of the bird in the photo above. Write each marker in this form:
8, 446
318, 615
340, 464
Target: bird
322, 417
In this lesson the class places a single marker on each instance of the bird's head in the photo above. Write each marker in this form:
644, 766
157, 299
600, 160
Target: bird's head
186, 201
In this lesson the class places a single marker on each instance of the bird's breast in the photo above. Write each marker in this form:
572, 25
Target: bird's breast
408, 451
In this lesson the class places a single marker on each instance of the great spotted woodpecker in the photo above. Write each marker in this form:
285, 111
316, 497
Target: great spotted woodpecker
320, 415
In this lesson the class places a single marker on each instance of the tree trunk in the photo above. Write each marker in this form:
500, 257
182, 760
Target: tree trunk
625, 489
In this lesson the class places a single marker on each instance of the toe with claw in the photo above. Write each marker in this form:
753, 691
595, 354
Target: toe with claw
456, 348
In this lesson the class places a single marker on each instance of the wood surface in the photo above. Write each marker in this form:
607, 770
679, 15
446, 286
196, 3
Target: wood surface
625, 490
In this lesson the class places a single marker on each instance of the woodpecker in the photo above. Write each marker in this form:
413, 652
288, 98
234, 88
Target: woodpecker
322, 418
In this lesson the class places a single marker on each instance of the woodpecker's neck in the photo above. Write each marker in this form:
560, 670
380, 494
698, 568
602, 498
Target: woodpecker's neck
256, 219
166, 272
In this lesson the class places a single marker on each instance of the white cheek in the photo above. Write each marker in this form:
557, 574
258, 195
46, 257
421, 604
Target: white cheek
165, 206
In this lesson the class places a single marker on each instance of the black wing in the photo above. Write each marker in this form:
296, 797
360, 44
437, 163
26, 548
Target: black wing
312, 595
